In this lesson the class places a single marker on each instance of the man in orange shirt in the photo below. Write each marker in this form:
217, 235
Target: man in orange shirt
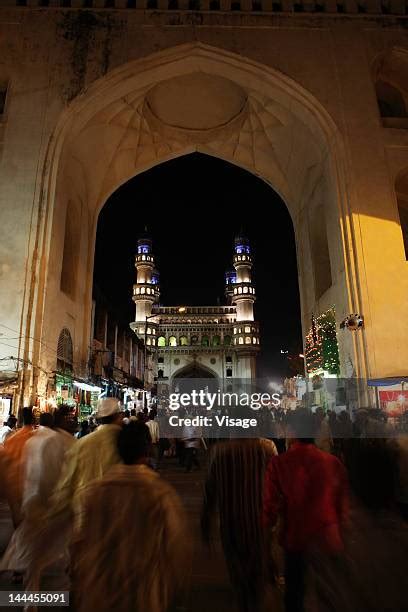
13, 451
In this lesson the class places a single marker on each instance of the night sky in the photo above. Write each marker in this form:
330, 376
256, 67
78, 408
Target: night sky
193, 206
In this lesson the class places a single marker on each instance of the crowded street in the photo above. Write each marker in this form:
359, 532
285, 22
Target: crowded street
210, 588
244, 524
204, 305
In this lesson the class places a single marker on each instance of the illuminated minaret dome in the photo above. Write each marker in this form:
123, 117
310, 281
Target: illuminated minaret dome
146, 290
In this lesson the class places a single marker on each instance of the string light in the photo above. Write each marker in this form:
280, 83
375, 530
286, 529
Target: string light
322, 351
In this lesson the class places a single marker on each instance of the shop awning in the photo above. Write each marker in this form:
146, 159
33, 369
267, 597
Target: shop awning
387, 382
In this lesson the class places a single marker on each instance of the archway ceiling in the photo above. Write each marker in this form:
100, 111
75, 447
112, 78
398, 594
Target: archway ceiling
125, 137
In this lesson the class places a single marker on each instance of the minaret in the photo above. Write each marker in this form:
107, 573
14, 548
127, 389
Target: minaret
146, 291
246, 330
243, 291
230, 280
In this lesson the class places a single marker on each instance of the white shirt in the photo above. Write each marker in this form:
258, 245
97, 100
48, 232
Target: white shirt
154, 431
5, 431
44, 453
191, 436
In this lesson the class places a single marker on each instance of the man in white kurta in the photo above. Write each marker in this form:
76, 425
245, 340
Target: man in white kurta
44, 456
132, 550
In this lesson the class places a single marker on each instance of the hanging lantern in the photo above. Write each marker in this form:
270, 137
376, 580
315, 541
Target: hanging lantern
352, 322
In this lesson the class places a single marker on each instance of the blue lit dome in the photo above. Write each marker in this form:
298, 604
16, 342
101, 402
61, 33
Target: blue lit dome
144, 245
242, 245
155, 277
230, 277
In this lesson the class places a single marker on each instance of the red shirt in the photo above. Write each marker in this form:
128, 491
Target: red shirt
308, 489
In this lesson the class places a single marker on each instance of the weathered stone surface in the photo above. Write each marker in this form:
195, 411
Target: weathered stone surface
77, 125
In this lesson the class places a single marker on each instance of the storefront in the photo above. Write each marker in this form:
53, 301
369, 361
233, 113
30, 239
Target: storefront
7, 390
392, 396
64, 389
5, 408
86, 397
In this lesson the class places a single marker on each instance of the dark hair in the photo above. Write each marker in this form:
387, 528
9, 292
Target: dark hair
46, 419
134, 442
10, 422
28, 417
303, 425
61, 416
108, 420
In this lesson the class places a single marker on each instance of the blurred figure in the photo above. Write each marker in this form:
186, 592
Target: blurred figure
92, 424
133, 415
191, 437
323, 435
234, 485
153, 427
342, 434
372, 575
91, 458
6, 430
402, 475
43, 459
83, 429
87, 460
307, 489
140, 417
131, 552
14, 449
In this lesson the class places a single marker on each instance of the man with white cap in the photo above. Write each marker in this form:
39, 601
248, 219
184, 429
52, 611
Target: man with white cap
91, 457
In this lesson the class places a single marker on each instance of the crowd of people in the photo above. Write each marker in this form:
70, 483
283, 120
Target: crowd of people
312, 518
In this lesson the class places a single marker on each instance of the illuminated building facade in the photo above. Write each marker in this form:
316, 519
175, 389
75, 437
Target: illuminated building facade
198, 341
280, 101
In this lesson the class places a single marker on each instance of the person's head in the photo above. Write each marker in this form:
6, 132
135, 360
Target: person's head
46, 420
140, 417
152, 414
84, 425
319, 413
127, 414
303, 425
28, 417
134, 442
109, 412
61, 418
133, 412
112, 419
10, 422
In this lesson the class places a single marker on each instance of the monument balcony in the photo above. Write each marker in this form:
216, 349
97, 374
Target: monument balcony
144, 259
145, 291
246, 335
242, 259
243, 290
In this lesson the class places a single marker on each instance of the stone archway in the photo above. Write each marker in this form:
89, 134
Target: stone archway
194, 370
133, 119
